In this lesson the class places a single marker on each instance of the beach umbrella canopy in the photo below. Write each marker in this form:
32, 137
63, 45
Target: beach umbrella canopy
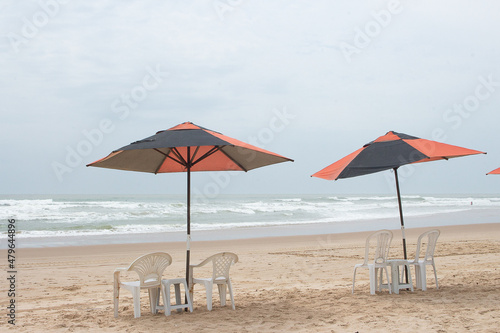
187, 148
391, 151
494, 172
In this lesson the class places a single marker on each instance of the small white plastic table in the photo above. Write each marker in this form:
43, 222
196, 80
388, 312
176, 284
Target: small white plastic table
396, 283
167, 307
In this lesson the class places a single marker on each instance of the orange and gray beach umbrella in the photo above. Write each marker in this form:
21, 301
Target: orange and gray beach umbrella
391, 151
494, 172
188, 148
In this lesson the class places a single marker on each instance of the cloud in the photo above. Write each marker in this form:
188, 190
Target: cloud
229, 73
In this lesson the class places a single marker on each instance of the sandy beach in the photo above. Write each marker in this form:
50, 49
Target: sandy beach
297, 283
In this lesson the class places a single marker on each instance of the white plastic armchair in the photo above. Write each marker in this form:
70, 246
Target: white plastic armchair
221, 263
427, 259
378, 262
150, 269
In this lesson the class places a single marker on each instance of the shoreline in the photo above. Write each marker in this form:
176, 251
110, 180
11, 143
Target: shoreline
452, 232
485, 216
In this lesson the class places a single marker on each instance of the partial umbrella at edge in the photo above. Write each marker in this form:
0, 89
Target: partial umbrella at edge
391, 151
494, 172
185, 148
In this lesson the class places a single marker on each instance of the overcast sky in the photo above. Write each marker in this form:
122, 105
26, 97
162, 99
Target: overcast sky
310, 80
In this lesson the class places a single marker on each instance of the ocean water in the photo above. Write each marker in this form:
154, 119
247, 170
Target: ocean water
93, 219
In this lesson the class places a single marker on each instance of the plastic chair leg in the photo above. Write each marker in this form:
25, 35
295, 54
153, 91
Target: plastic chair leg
388, 281
422, 278
379, 275
116, 296
230, 287
208, 287
153, 299
418, 278
222, 293
354, 279
373, 279
137, 302
435, 276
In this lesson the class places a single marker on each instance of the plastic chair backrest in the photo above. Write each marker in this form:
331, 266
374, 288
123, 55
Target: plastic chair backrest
222, 263
432, 236
150, 268
383, 238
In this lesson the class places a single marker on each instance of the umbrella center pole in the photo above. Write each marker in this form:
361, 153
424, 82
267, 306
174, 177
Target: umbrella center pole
188, 222
400, 213
402, 221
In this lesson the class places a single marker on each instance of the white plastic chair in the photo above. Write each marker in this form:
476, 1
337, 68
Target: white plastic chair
428, 258
220, 276
379, 262
150, 269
